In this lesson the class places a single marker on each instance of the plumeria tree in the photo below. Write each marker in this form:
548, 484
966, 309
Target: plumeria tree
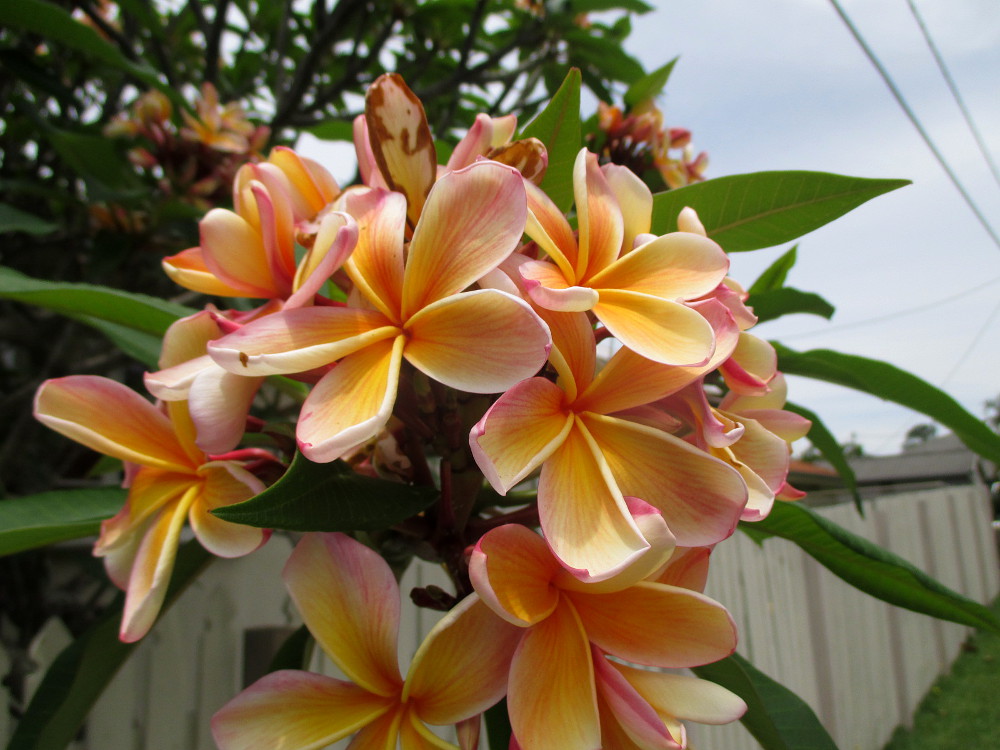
506, 355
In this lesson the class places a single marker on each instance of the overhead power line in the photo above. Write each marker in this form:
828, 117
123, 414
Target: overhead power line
946, 74
898, 96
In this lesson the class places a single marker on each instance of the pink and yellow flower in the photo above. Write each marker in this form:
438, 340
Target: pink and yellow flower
412, 306
349, 600
637, 285
558, 679
170, 480
593, 452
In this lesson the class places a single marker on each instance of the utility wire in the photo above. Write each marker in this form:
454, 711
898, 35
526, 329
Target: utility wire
898, 96
946, 74
893, 315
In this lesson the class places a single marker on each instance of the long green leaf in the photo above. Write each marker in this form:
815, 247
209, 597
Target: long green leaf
649, 86
143, 347
889, 382
83, 670
871, 568
763, 209
50, 517
329, 497
774, 275
558, 127
15, 220
57, 26
139, 312
774, 303
824, 441
776, 717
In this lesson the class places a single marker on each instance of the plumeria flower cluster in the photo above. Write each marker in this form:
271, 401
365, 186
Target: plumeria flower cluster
196, 162
639, 141
446, 320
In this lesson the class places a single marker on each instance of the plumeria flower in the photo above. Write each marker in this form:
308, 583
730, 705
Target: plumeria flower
593, 452
349, 600
414, 308
552, 693
170, 480
637, 285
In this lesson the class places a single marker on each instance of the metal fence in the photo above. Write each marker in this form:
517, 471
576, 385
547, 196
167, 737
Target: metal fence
863, 665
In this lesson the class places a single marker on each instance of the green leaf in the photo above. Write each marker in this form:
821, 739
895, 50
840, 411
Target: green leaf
138, 312
80, 673
763, 209
15, 220
787, 301
329, 497
892, 384
871, 568
57, 26
649, 86
775, 274
142, 347
595, 6
333, 130
50, 517
558, 127
827, 445
776, 717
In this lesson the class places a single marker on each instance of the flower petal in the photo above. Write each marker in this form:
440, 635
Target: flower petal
151, 490
549, 289
461, 668
520, 431
658, 329
219, 402
152, 567
598, 215
401, 140
687, 568
684, 697
337, 236
628, 711
376, 265
551, 698
312, 186
187, 268
701, 498
676, 266
657, 625
661, 546
299, 340
474, 218
512, 570
225, 483
295, 710
112, 419
352, 402
582, 511
634, 199
349, 600
233, 251
547, 226
481, 341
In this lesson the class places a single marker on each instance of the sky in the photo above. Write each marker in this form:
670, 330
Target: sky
782, 85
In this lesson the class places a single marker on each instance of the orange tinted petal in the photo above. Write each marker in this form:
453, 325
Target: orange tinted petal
349, 599
352, 402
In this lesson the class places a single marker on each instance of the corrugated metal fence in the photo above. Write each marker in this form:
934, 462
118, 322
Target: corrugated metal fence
862, 664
